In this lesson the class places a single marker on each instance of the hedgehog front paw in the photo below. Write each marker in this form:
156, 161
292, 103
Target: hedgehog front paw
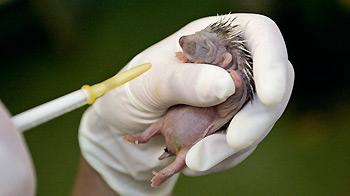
181, 57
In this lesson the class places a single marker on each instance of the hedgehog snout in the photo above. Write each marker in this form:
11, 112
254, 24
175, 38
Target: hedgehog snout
181, 41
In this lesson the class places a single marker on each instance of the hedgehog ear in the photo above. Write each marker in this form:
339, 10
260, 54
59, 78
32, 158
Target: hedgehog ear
210, 46
226, 59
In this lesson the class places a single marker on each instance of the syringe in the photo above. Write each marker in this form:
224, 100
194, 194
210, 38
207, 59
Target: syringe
86, 95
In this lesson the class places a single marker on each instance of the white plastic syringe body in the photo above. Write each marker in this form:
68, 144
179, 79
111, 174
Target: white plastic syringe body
86, 95
50, 110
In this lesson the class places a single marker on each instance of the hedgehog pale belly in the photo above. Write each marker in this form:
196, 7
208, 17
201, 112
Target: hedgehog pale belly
184, 125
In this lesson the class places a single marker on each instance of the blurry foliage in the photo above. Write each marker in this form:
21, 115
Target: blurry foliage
50, 48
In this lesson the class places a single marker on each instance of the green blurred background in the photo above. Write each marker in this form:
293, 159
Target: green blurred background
50, 48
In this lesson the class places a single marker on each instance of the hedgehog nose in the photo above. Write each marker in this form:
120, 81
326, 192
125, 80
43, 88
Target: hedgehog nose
181, 40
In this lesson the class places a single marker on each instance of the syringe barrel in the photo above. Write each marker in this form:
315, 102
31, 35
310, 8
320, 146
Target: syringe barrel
47, 111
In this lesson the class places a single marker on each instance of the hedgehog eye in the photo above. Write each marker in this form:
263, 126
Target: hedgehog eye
204, 49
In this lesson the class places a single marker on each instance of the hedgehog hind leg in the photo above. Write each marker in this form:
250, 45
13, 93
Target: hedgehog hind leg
146, 135
176, 166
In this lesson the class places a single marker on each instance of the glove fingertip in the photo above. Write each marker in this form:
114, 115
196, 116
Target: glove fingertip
214, 85
193, 159
237, 141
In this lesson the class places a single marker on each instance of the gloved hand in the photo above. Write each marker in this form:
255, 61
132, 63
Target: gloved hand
134, 106
17, 175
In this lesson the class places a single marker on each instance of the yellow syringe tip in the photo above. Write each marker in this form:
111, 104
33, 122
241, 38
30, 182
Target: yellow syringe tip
128, 75
100, 89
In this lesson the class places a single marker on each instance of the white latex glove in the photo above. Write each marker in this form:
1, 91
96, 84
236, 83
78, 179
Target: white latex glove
16, 169
134, 106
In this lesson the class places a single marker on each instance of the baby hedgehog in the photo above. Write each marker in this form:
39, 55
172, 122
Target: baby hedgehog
183, 126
